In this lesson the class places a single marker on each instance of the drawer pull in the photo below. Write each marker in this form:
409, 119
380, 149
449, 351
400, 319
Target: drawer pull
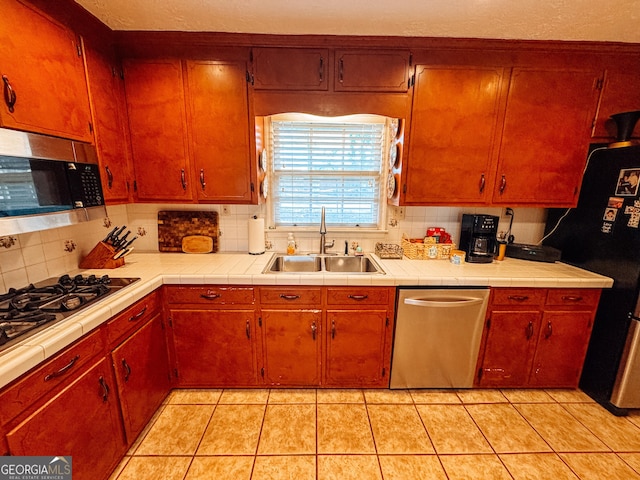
289, 297
518, 298
210, 296
109, 177
63, 370
314, 329
483, 182
137, 316
503, 184
248, 330
105, 389
571, 298
333, 329
358, 297
549, 331
127, 370
9, 94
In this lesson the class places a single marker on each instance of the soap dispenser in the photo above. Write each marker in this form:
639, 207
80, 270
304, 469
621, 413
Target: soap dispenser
291, 244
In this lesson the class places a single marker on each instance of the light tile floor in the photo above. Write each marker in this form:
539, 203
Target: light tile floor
384, 434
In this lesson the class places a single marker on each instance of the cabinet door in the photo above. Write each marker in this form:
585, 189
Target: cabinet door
372, 71
290, 68
453, 130
356, 348
545, 137
157, 123
510, 346
142, 372
220, 131
83, 421
42, 69
620, 93
291, 345
562, 346
214, 348
106, 90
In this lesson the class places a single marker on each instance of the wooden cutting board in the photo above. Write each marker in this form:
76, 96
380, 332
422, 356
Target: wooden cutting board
197, 244
173, 226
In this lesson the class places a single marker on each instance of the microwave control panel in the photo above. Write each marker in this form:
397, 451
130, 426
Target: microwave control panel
86, 189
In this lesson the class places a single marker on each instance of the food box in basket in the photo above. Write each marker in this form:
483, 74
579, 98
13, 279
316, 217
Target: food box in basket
426, 248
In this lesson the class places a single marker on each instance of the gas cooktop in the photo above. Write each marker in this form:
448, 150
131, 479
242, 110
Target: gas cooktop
28, 310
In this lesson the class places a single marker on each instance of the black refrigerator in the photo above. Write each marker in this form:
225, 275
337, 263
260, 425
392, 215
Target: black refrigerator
602, 235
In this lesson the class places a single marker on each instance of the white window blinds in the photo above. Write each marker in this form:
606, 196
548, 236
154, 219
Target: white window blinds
335, 165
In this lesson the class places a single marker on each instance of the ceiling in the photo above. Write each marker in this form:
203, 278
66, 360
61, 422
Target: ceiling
589, 20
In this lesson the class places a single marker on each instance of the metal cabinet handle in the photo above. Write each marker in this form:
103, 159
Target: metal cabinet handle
341, 71
333, 329
529, 330
105, 389
183, 179
358, 297
518, 298
549, 331
571, 298
289, 297
202, 182
109, 177
210, 296
321, 71
248, 330
63, 370
137, 316
314, 329
9, 94
482, 183
127, 369
503, 184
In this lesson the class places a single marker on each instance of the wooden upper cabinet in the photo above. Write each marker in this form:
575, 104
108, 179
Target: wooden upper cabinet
106, 91
620, 93
372, 70
42, 69
454, 122
157, 123
221, 131
290, 68
545, 138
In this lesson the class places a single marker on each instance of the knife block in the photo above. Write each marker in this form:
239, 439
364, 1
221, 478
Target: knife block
101, 257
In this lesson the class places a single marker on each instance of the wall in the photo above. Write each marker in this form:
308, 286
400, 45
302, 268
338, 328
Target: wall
40, 255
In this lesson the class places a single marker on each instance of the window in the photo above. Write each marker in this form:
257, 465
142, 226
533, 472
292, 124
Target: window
333, 163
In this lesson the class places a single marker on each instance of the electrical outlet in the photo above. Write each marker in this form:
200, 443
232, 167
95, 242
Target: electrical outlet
400, 211
226, 210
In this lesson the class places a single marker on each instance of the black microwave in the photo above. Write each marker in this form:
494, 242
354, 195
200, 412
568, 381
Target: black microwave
47, 182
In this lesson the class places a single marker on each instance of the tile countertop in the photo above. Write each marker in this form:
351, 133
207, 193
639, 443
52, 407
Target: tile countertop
156, 269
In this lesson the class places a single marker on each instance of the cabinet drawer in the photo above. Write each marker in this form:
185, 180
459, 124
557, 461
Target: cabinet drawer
357, 296
61, 368
573, 297
210, 295
132, 318
519, 296
291, 296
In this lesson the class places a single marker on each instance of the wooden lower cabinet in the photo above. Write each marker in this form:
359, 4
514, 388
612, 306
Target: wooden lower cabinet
536, 337
292, 345
214, 347
83, 421
141, 366
355, 353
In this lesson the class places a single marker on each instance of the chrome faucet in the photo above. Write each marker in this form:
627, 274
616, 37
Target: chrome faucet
323, 232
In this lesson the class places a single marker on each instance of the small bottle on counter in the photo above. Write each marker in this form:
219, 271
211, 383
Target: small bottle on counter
291, 244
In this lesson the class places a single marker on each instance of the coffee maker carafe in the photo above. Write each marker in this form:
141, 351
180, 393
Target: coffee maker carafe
478, 237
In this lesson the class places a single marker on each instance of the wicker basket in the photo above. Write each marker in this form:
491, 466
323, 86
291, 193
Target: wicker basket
417, 249
388, 250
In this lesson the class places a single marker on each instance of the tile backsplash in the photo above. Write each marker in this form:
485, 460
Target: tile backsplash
32, 257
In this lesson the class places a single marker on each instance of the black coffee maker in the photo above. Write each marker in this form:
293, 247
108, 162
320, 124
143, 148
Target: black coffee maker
478, 237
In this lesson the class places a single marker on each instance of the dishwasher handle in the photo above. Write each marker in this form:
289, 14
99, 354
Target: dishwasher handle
444, 301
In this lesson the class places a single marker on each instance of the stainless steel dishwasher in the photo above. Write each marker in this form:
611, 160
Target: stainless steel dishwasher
437, 338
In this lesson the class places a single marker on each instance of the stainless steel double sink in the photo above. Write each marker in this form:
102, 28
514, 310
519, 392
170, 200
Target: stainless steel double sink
281, 263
